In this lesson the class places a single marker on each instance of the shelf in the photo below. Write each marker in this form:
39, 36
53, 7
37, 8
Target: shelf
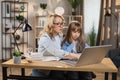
40, 16
72, 16
8, 17
7, 47
9, 10
19, 43
39, 27
15, 2
18, 11
7, 32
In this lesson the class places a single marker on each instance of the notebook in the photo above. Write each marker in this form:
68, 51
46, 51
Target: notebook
91, 55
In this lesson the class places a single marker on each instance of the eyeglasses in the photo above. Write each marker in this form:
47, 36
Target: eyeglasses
61, 24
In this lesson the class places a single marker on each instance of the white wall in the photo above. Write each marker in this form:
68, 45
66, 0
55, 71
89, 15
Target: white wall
91, 14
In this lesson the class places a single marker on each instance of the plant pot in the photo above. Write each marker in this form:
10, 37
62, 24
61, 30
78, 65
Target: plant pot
17, 59
45, 12
73, 11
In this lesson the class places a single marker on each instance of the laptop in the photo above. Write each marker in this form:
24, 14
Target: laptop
91, 55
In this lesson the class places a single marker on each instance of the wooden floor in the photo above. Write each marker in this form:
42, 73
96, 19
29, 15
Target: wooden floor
100, 76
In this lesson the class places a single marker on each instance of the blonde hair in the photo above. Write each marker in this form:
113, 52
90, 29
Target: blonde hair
48, 27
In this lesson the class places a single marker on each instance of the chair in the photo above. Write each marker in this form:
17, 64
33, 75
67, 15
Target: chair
114, 55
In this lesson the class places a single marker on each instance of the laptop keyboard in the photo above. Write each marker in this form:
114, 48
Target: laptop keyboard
71, 62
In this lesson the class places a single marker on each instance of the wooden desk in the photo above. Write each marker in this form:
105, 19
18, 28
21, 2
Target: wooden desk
105, 66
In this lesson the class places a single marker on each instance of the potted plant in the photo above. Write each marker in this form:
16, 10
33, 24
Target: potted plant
74, 4
44, 6
20, 17
17, 57
92, 37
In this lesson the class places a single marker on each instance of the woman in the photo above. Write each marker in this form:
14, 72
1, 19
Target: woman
50, 44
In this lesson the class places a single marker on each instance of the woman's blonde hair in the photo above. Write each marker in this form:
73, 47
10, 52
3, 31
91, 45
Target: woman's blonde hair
48, 27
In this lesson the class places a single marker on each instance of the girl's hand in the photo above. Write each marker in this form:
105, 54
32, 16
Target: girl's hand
75, 56
72, 56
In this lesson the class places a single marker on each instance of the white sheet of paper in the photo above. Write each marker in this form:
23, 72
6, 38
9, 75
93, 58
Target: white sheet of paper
39, 56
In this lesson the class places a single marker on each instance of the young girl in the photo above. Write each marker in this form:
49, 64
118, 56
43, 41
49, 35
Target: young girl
73, 42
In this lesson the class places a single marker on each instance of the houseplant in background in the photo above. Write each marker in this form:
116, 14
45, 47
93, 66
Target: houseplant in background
20, 17
74, 4
17, 57
44, 6
92, 37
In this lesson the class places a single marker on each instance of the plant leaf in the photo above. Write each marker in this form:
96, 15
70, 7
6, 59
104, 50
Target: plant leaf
75, 3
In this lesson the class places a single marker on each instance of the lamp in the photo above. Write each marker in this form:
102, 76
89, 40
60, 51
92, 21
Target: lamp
25, 27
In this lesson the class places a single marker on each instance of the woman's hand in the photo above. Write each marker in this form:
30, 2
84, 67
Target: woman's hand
72, 56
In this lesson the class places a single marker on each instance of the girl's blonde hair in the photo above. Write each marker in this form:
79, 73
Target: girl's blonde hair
48, 27
75, 26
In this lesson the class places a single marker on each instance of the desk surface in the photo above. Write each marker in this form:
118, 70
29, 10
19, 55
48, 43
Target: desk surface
105, 66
